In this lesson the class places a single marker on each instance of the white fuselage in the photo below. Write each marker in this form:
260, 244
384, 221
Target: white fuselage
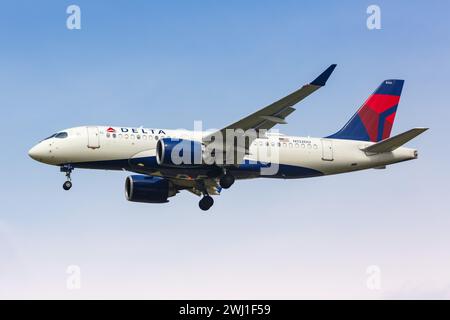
100, 147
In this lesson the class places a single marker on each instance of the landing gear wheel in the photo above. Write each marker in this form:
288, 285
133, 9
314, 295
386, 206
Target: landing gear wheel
206, 202
67, 185
67, 169
226, 181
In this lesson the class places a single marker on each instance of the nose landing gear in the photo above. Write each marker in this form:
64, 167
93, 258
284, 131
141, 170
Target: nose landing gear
68, 170
67, 185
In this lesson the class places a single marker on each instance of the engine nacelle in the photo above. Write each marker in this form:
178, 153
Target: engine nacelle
179, 152
148, 189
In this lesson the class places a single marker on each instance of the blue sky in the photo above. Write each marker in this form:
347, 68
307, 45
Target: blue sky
166, 64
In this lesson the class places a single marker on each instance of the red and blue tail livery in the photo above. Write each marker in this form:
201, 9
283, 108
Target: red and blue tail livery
374, 120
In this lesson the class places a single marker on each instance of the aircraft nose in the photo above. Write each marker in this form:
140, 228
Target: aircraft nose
34, 153
37, 152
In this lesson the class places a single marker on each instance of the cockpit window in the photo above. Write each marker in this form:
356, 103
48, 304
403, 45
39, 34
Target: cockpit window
61, 135
52, 136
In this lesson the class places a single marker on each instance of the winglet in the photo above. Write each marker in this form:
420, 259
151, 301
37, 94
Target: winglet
322, 79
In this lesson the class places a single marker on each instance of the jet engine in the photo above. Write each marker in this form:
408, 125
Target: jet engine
179, 152
148, 189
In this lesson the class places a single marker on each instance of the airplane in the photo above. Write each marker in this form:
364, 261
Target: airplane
364, 142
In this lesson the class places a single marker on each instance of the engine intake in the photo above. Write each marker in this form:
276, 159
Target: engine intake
148, 189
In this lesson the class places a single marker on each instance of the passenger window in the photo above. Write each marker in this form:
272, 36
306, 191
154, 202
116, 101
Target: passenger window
315, 146
284, 145
132, 137
114, 135
290, 145
120, 136
144, 137
296, 145
309, 146
108, 135
156, 137
61, 135
138, 137
303, 145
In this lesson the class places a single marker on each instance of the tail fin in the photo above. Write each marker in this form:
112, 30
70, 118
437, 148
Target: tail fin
374, 120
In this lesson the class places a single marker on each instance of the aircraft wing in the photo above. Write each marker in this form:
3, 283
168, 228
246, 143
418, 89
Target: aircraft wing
275, 113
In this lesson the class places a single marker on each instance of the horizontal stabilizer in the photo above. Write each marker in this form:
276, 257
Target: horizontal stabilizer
394, 142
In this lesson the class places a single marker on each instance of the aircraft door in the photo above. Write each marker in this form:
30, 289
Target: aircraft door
93, 137
327, 150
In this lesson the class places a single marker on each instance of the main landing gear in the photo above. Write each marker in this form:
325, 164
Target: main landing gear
68, 170
206, 202
226, 180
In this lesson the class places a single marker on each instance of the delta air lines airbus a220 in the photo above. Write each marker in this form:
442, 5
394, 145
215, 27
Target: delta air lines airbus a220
205, 163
